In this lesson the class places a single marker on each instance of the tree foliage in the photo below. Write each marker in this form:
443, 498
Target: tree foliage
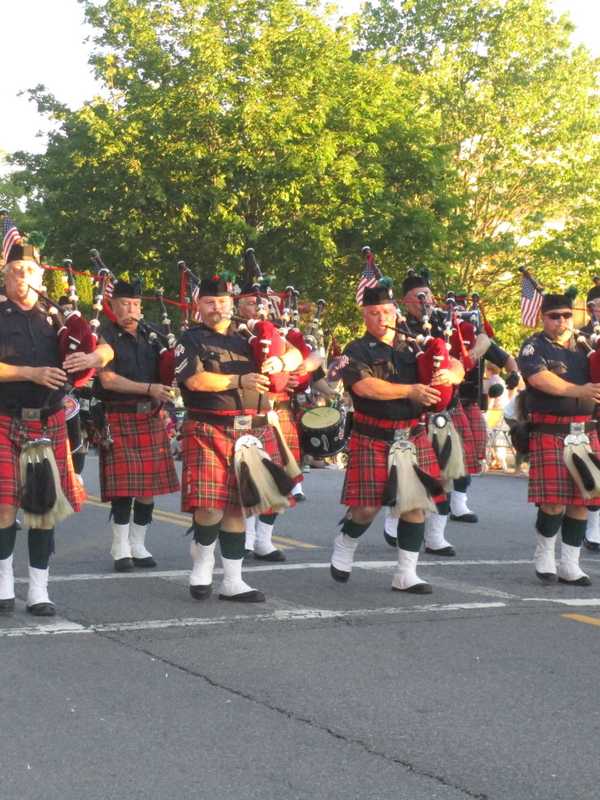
458, 135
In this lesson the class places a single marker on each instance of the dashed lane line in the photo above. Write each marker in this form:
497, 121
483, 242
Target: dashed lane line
582, 618
183, 521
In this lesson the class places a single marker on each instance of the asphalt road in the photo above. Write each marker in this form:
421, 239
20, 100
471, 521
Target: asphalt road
485, 689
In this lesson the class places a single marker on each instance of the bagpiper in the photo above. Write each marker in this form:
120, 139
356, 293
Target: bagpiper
232, 460
390, 458
35, 463
136, 462
564, 450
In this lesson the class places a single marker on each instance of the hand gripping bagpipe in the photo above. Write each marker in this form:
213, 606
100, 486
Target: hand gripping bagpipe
432, 356
75, 333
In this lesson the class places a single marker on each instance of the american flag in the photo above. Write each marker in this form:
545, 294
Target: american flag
531, 302
370, 277
10, 235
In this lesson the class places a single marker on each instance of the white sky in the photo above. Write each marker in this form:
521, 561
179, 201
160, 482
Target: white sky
48, 45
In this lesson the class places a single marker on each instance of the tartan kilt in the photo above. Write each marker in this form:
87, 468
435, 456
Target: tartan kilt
478, 427
10, 450
139, 462
208, 477
461, 423
549, 479
367, 470
289, 429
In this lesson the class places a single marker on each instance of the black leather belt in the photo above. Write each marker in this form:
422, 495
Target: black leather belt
559, 428
384, 434
240, 421
130, 408
31, 414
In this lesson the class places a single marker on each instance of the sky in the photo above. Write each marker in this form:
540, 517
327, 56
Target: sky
51, 47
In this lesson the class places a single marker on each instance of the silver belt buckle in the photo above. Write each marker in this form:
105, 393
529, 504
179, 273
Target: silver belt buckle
84, 404
577, 434
31, 414
401, 434
242, 423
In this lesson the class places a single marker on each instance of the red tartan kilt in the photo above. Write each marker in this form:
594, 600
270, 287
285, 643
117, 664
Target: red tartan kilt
367, 470
289, 428
478, 427
461, 423
208, 477
10, 450
139, 463
549, 479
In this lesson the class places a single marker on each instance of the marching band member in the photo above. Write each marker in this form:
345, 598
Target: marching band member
563, 476
592, 329
225, 396
31, 413
390, 457
138, 463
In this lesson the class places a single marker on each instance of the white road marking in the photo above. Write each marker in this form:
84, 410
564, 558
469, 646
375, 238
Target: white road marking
567, 601
182, 573
280, 615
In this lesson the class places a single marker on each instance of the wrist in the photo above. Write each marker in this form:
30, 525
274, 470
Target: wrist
148, 388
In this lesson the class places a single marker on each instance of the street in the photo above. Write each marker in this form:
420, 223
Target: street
484, 689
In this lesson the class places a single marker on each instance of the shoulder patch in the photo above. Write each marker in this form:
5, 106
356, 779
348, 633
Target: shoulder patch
528, 350
179, 350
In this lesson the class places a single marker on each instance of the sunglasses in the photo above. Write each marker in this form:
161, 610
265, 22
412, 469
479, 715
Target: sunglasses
556, 315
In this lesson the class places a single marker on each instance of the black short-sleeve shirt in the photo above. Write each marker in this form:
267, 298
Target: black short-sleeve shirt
27, 339
371, 358
539, 353
135, 358
201, 349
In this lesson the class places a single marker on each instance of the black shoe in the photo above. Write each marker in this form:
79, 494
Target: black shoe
547, 577
248, 553
7, 606
338, 575
147, 562
464, 518
42, 610
391, 540
442, 551
299, 498
418, 588
594, 547
201, 591
253, 596
275, 555
123, 565
583, 581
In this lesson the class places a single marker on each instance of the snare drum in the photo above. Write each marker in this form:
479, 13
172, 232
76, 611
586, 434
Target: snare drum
323, 431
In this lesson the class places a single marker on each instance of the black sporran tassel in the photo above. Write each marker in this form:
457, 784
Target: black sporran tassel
248, 492
281, 446
283, 482
587, 479
390, 490
47, 488
445, 454
432, 485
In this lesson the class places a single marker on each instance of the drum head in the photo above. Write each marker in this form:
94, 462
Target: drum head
71, 407
320, 418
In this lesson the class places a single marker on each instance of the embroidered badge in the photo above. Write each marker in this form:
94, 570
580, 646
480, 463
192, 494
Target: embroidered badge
528, 350
179, 350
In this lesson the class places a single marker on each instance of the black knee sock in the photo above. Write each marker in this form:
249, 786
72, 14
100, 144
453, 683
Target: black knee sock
205, 534
41, 547
573, 531
142, 513
354, 529
232, 544
462, 484
443, 507
7, 541
410, 535
548, 524
269, 519
121, 510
